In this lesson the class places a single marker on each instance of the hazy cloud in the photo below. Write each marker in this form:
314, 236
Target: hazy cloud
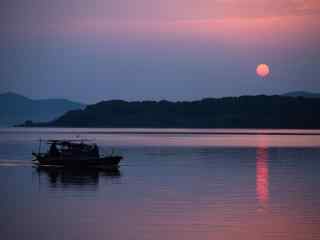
61, 16
126, 10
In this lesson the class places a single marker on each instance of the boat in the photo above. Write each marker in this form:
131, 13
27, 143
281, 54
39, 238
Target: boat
74, 153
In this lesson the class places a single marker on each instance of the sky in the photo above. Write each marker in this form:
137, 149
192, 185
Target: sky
92, 50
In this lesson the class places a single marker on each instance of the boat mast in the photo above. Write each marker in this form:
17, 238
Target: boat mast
39, 146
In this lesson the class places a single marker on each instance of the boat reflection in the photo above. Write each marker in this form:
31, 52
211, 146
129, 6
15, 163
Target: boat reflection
262, 176
64, 177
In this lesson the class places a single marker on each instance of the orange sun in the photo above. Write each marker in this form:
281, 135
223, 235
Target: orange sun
263, 70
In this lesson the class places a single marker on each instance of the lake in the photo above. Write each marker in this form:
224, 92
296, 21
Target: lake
172, 184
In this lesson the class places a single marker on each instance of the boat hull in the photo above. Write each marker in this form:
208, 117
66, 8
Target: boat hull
102, 162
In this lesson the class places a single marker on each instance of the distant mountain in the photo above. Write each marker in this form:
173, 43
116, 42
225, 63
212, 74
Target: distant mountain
231, 112
15, 109
302, 94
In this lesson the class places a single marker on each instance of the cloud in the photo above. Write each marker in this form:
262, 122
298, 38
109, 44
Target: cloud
46, 16
268, 8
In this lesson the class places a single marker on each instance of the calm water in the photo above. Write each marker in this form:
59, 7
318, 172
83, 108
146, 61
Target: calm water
172, 184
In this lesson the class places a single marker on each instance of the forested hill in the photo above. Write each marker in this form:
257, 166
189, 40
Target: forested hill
302, 94
231, 112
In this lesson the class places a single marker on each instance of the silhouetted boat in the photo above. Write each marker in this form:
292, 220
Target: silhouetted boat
75, 153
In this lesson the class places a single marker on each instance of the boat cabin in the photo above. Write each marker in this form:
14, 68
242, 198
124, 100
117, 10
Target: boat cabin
74, 149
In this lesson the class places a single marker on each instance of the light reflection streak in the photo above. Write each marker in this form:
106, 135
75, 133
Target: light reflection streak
262, 174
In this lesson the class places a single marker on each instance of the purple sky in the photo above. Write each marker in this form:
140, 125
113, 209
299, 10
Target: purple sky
151, 49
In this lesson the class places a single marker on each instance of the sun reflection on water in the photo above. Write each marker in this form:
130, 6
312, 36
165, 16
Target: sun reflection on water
262, 174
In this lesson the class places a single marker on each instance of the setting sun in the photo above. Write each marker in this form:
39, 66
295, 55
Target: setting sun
263, 70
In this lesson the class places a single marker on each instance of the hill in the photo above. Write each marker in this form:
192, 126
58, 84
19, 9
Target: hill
15, 109
231, 112
302, 94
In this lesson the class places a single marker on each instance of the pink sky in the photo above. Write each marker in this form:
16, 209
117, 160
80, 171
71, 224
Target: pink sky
153, 15
197, 42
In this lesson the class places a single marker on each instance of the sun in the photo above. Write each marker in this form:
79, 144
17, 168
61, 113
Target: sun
263, 70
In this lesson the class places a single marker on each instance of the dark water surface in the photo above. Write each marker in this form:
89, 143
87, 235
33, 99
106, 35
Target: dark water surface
172, 184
